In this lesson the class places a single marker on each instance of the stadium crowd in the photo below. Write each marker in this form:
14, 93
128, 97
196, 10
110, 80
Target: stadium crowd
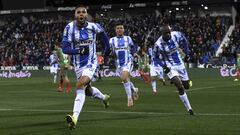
229, 54
28, 39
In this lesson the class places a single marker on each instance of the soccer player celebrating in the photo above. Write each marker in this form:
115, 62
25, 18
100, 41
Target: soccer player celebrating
122, 46
54, 65
166, 53
79, 40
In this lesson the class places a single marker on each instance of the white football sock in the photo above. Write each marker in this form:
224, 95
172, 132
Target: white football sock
96, 93
54, 78
78, 103
127, 88
154, 87
185, 101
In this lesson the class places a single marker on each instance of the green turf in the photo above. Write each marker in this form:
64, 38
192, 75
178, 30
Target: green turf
32, 106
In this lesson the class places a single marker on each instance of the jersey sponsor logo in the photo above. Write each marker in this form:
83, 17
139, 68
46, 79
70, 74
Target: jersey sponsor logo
121, 48
84, 43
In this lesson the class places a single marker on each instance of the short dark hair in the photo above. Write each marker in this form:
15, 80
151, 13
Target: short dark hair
165, 27
80, 5
118, 23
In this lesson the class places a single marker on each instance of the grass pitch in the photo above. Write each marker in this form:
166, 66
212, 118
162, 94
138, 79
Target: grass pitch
32, 106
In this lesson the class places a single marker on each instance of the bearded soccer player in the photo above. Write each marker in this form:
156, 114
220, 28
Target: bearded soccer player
79, 40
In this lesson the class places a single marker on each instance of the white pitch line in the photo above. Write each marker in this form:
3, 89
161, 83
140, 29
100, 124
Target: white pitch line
210, 87
202, 88
124, 112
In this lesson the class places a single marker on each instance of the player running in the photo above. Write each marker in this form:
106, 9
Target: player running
166, 53
122, 46
79, 40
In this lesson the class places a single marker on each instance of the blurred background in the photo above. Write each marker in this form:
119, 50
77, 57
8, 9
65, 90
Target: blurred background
31, 103
28, 29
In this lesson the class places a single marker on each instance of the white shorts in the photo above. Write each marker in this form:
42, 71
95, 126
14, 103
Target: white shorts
53, 69
177, 71
88, 71
156, 71
124, 68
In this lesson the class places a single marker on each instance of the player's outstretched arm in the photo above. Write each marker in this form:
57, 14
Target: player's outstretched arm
66, 48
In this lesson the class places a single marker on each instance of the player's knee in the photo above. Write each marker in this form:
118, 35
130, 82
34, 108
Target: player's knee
186, 84
81, 85
83, 82
180, 88
125, 79
178, 84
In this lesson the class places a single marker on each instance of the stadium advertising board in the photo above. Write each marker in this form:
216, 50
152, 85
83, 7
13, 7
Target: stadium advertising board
15, 74
112, 73
228, 72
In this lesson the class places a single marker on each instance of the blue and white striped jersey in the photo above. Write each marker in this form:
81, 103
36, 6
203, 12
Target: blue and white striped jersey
168, 52
82, 40
121, 46
53, 60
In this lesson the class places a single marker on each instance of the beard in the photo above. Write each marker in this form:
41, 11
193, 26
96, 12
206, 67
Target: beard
81, 21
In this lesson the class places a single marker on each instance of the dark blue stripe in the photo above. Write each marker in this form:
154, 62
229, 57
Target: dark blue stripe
83, 34
175, 57
83, 60
121, 57
73, 43
99, 26
65, 37
176, 38
175, 54
120, 42
94, 49
68, 27
113, 45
